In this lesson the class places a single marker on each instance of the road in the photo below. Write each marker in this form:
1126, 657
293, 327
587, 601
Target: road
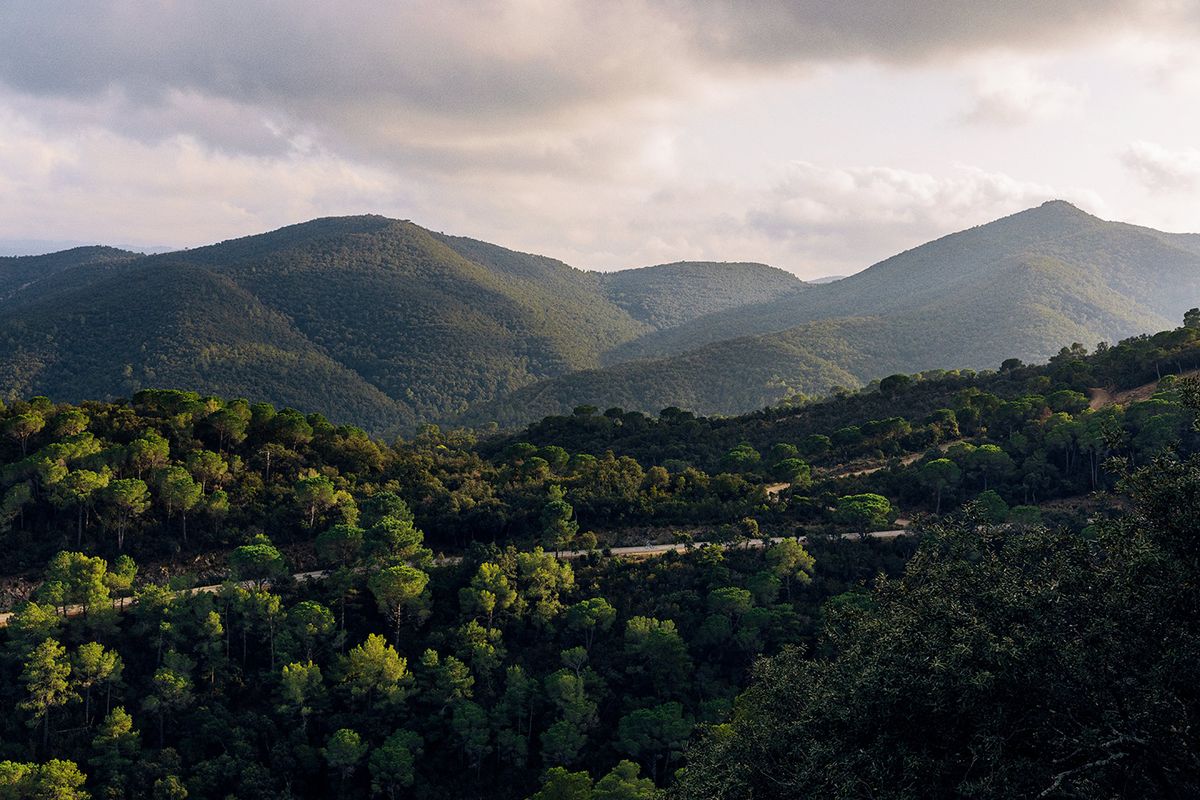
911, 458
635, 551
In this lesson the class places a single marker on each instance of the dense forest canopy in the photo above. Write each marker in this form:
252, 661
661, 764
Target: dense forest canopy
220, 598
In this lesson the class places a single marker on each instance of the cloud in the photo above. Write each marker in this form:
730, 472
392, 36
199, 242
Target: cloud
594, 132
90, 184
93, 184
446, 80
1162, 169
840, 214
1013, 93
903, 32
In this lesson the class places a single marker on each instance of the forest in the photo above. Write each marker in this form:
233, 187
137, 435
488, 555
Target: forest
216, 598
387, 326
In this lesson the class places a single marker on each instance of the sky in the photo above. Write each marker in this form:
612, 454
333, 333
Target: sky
818, 137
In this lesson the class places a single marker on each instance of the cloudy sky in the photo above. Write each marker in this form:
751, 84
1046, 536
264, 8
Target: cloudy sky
819, 137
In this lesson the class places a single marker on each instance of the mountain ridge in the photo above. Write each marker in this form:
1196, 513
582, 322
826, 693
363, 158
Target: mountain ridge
421, 325
1019, 286
385, 323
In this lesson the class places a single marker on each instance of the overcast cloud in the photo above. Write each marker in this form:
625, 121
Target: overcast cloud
816, 136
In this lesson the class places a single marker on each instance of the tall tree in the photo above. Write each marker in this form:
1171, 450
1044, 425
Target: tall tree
180, 494
46, 676
400, 592
22, 427
93, 666
129, 498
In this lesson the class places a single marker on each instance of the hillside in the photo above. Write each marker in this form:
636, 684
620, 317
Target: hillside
194, 653
383, 323
722, 377
1108, 279
179, 326
652, 294
20, 274
365, 319
1020, 286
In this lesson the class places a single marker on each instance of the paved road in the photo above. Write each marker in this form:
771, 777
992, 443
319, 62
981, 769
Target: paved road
659, 549
636, 551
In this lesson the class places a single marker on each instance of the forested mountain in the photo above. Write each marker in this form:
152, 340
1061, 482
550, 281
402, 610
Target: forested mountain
1019, 286
385, 324
721, 377
182, 325
672, 294
367, 319
1094, 280
21, 273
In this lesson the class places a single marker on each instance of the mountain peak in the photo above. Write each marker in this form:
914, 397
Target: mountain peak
1061, 209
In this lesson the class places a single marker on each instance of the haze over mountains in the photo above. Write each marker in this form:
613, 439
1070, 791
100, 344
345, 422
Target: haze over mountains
385, 324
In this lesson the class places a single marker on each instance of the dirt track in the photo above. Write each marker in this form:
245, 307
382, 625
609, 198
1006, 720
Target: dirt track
637, 552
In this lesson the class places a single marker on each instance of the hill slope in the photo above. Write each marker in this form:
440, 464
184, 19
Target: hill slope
1019, 286
1107, 279
717, 378
656, 294
178, 327
25, 274
365, 319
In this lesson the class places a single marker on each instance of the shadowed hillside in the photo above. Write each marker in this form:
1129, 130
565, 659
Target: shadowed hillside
655, 294
366, 319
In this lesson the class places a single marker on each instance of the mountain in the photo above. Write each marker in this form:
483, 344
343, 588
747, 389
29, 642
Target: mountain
1102, 280
389, 325
365, 319
652, 294
20, 273
1019, 286
718, 378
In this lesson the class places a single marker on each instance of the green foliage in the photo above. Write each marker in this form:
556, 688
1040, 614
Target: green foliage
393, 764
258, 562
53, 780
656, 736
375, 672
45, 676
400, 591
865, 511
652, 294
1033, 281
343, 751
409, 325
513, 661
1010, 660
560, 784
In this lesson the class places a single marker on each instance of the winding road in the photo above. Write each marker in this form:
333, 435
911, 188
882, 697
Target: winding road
635, 551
